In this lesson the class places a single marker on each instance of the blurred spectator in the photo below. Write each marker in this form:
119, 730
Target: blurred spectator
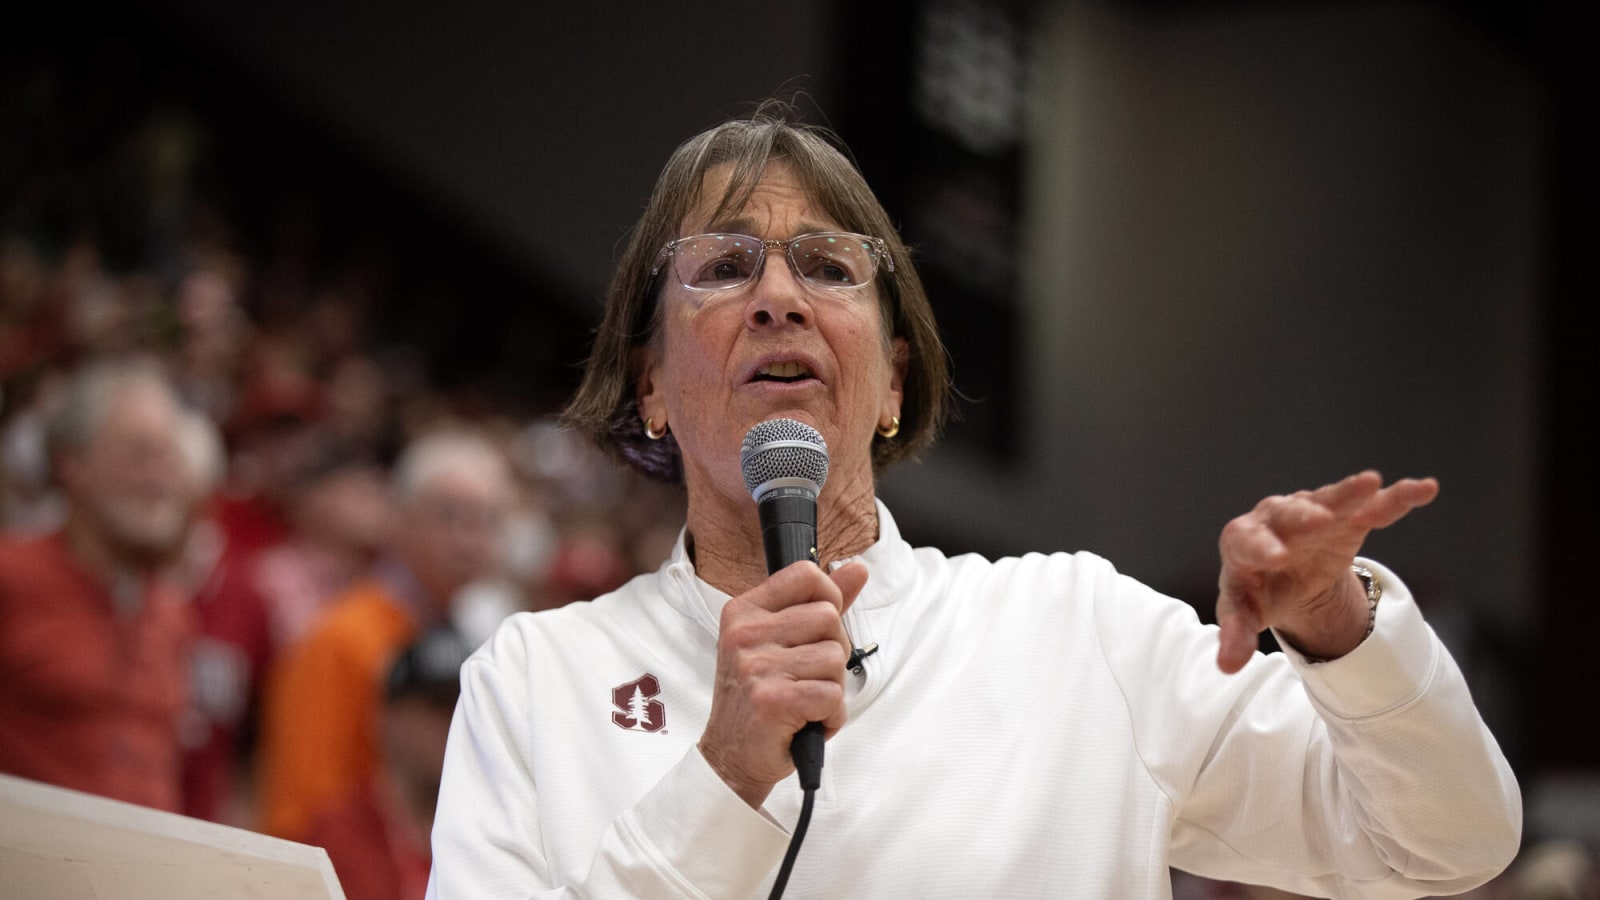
270, 437
588, 563
212, 339
358, 405
31, 331
1554, 869
378, 837
260, 603
97, 319
338, 512
30, 502
602, 524
452, 489
272, 432
93, 635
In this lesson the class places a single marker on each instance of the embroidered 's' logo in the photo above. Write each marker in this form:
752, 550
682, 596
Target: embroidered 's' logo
637, 708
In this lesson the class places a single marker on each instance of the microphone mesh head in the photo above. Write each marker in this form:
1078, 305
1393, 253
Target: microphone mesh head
783, 448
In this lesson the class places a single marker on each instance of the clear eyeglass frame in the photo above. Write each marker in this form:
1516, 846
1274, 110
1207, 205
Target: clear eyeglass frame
672, 255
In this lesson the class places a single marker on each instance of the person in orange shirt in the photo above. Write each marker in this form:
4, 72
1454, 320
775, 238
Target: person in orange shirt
378, 836
94, 636
452, 491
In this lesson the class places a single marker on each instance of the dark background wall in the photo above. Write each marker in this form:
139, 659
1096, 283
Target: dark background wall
1197, 252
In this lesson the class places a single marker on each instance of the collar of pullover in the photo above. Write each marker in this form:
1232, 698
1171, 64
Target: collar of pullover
890, 562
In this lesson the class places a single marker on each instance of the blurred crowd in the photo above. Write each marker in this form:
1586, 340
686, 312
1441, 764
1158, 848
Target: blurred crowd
248, 536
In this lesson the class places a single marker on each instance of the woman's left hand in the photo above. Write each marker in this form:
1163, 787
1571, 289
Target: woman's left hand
1286, 565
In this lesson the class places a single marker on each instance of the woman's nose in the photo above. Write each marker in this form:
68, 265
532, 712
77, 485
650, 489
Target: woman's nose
777, 295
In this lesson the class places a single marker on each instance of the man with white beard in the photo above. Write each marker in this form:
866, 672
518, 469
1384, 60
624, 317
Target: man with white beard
93, 637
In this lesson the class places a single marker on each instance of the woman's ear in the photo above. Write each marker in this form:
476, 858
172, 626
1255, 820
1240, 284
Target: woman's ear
899, 355
646, 390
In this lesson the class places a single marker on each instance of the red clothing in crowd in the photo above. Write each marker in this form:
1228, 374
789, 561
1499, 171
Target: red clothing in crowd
250, 523
376, 851
91, 695
231, 655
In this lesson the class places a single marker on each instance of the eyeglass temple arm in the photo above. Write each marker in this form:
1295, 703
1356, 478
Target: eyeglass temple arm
666, 251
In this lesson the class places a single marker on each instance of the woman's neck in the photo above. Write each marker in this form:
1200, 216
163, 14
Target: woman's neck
725, 534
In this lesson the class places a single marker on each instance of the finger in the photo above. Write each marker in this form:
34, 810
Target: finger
799, 684
1392, 503
819, 617
1249, 544
1298, 515
808, 623
788, 703
1239, 625
820, 700
749, 628
794, 584
815, 684
822, 660
807, 661
1307, 512
1347, 495
849, 578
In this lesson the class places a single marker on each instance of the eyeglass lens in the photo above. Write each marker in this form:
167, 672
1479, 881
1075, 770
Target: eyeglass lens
719, 262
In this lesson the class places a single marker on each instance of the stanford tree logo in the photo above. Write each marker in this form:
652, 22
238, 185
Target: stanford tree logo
637, 708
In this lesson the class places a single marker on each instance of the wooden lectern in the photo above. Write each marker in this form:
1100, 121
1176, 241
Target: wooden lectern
58, 844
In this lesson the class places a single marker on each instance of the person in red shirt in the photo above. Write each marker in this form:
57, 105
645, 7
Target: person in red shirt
93, 637
378, 837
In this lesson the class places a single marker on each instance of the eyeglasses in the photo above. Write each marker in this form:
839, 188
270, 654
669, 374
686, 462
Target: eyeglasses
727, 262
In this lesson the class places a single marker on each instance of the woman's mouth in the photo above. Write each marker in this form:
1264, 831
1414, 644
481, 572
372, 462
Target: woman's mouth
787, 372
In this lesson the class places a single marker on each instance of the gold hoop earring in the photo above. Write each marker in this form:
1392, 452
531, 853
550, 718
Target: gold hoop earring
650, 432
892, 430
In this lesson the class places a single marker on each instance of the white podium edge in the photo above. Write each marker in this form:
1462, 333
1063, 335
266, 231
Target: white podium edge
24, 794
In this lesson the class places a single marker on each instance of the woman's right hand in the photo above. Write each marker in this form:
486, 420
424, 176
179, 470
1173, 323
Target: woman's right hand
781, 655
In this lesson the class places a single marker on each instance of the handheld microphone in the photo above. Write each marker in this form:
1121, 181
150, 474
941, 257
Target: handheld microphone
785, 464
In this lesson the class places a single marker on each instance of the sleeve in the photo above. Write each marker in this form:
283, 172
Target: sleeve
689, 836
1368, 776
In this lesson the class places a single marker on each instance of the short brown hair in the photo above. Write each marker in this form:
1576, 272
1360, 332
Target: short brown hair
605, 408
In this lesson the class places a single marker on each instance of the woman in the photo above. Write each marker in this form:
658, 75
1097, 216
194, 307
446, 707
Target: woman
1040, 726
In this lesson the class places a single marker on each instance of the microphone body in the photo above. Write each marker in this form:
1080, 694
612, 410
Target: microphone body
788, 525
785, 464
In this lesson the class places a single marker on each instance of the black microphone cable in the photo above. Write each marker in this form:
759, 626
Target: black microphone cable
807, 753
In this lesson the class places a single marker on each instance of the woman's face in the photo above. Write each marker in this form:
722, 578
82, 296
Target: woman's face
776, 347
